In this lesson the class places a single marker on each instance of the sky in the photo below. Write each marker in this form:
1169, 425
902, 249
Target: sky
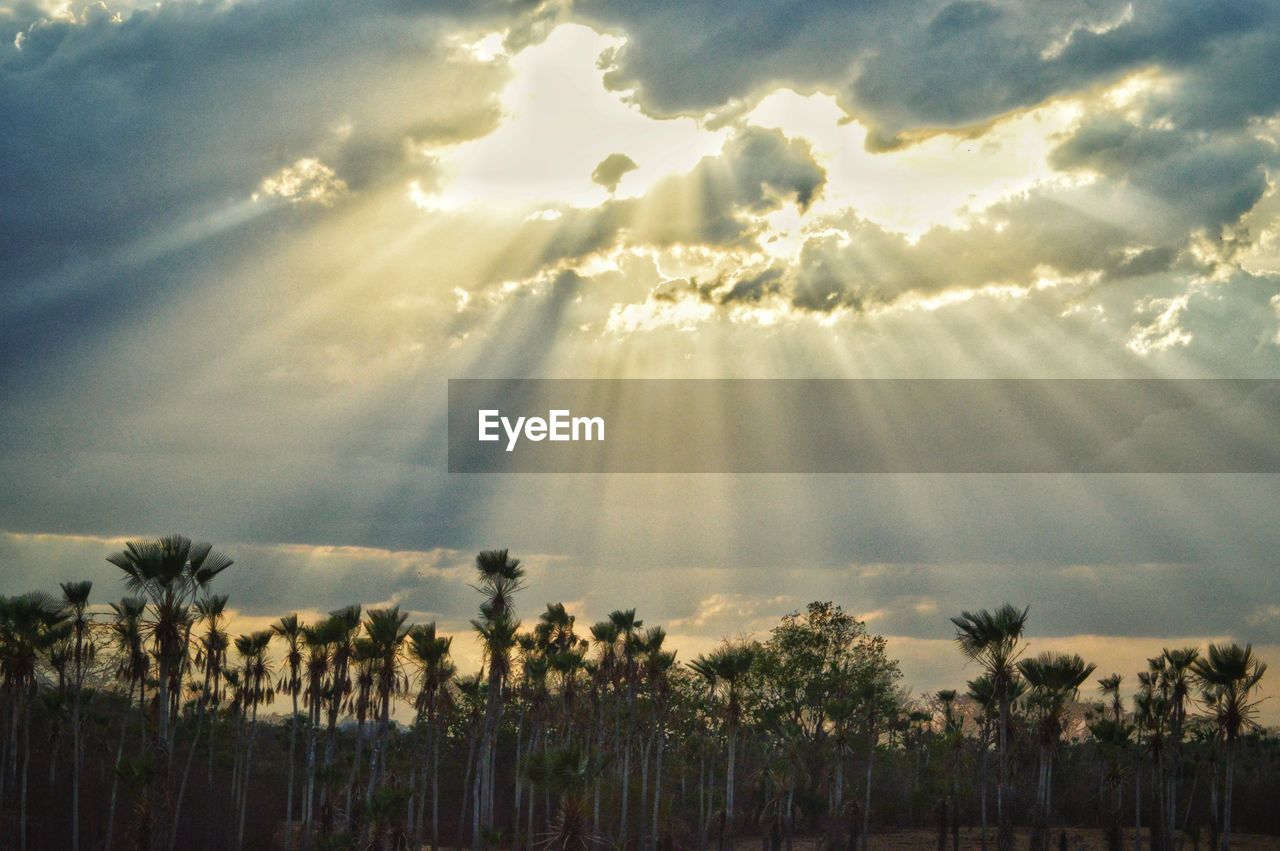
245, 244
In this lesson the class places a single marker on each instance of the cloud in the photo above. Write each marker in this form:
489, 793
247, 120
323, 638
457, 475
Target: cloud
611, 169
308, 181
124, 128
939, 65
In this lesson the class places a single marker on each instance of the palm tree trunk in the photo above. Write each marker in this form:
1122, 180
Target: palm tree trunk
644, 792
182, 787
528, 840
1226, 797
26, 767
435, 788
1004, 836
159, 802
248, 768
293, 741
1137, 808
728, 790
354, 776
982, 788
466, 795
76, 758
657, 788
626, 788
866, 798
515, 820
115, 774
308, 801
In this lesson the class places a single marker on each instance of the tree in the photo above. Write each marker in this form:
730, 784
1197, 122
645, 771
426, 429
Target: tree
168, 573
500, 578
386, 631
431, 653
289, 629
1228, 676
994, 640
731, 665
1054, 680
29, 626
133, 665
75, 600
256, 678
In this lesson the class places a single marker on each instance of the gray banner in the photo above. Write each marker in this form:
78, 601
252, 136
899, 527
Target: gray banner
864, 426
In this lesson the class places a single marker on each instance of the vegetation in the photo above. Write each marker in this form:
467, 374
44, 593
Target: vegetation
142, 724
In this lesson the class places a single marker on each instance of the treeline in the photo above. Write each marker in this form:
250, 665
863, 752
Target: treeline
143, 724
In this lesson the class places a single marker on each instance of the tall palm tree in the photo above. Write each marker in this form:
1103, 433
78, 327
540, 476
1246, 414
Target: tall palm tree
29, 626
168, 573
1178, 678
657, 668
1055, 680
1229, 673
604, 635
982, 692
290, 630
500, 577
343, 627
386, 631
364, 657
256, 673
75, 599
994, 640
126, 635
211, 649
730, 665
627, 624
498, 637
431, 653
319, 640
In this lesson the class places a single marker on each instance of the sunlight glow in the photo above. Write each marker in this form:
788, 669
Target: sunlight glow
560, 123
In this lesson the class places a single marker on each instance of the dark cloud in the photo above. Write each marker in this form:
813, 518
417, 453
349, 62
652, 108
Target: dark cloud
611, 169
1199, 180
942, 65
121, 132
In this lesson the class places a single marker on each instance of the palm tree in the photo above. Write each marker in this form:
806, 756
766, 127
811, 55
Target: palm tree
318, 641
1228, 675
1177, 674
342, 629
29, 626
126, 635
1110, 687
657, 667
365, 658
431, 653
211, 649
290, 629
730, 665
168, 573
498, 637
386, 630
75, 599
605, 636
982, 692
627, 625
500, 578
994, 640
256, 673
1055, 680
